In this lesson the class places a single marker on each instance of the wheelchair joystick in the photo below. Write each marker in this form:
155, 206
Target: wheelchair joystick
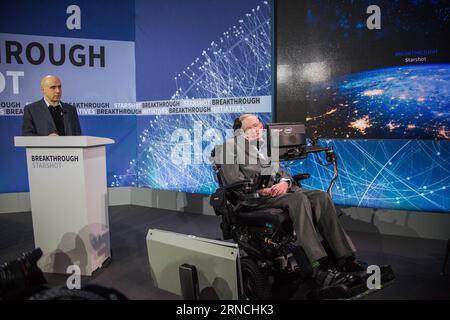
269, 241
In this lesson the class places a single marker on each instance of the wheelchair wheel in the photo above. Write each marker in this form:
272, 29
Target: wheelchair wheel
256, 282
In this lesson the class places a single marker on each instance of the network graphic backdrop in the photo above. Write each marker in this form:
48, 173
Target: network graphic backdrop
177, 71
371, 70
396, 174
368, 69
229, 73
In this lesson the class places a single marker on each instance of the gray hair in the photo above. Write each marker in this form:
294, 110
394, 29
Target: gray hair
244, 116
247, 115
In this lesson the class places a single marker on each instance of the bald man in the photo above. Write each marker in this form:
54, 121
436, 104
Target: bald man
49, 116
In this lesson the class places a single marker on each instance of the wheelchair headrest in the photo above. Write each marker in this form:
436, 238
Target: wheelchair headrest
237, 124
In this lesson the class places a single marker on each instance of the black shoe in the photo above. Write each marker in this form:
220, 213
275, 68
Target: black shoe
353, 266
332, 277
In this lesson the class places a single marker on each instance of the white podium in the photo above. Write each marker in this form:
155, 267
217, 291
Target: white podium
67, 178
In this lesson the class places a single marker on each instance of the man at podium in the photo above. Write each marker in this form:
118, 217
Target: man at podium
49, 116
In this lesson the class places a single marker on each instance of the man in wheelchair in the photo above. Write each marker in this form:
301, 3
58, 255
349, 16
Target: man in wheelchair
276, 221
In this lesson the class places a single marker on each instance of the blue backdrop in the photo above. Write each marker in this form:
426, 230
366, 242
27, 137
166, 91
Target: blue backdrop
197, 51
96, 90
188, 53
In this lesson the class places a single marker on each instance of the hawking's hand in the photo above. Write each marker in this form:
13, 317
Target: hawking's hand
279, 189
265, 192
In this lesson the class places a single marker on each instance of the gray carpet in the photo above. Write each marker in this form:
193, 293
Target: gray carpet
416, 262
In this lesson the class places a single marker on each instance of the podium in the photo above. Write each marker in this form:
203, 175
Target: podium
69, 202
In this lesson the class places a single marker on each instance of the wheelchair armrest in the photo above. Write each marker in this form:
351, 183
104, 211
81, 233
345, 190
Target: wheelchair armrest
244, 190
301, 176
238, 185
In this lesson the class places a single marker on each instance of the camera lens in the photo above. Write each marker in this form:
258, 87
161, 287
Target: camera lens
21, 276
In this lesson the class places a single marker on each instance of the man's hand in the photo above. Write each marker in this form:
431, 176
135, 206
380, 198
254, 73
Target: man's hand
279, 189
265, 192
54, 134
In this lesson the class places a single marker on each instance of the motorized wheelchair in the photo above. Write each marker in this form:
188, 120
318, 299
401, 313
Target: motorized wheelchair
265, 236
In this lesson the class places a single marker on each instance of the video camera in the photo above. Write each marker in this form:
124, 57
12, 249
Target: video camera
22, 279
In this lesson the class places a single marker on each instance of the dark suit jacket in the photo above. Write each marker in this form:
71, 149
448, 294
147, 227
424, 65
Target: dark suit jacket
38, 121
248, 167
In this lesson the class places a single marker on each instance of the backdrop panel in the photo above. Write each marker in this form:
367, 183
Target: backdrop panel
90, 47
371, 70
365, 69
190, 53
396, 174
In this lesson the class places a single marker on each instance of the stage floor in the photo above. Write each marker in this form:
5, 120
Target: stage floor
416, 262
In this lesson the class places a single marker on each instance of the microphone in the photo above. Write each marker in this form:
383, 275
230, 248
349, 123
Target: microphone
63, 112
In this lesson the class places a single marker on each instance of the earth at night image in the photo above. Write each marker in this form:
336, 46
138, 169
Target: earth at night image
404, 102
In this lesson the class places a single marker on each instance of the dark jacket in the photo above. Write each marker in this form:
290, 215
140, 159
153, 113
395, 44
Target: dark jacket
38, 121
246, 162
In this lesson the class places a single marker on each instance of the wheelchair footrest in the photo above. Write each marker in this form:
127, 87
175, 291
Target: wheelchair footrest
356, 291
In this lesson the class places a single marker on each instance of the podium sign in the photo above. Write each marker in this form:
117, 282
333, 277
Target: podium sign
69, 202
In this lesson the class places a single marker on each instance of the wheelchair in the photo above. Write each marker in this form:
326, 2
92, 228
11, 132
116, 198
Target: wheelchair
266, 238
